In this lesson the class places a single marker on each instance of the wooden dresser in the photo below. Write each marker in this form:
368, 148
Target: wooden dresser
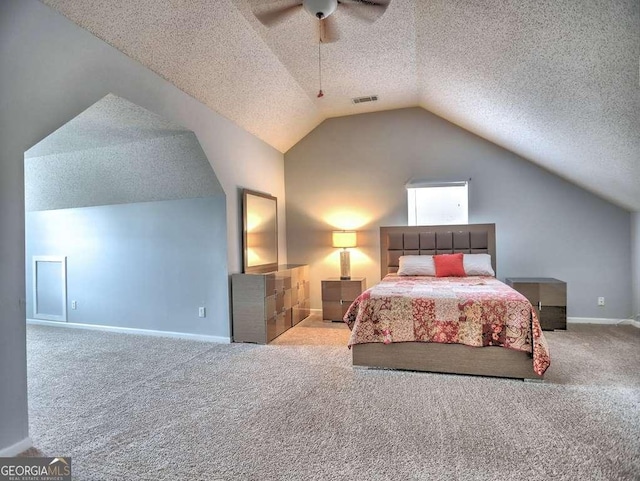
265, 305
547, 295
338, 294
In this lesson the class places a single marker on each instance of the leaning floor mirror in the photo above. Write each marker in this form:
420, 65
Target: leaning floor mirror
260, 232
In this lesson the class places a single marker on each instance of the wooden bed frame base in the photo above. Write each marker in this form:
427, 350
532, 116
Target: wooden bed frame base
446, 358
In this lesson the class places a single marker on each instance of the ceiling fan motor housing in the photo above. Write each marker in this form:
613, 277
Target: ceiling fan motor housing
320, 8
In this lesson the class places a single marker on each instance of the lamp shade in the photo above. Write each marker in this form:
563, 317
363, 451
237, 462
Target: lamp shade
344, 238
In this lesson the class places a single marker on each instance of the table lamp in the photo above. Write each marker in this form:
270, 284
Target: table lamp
344, 239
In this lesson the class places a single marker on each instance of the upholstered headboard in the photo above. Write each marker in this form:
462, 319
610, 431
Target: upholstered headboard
434, 239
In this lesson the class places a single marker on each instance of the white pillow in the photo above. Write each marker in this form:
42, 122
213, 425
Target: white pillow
417, 266
477, 265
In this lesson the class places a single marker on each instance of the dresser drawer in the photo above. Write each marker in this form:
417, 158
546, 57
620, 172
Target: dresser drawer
269, 306
264, 305
269, 284
299, 312
283, 281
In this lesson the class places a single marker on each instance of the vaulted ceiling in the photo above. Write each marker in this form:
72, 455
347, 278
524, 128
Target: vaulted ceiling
553, 81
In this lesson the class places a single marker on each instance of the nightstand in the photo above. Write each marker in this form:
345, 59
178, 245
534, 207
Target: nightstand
548, 296
338, 294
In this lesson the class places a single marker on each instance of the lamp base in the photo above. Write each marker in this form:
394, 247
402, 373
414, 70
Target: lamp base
345, 265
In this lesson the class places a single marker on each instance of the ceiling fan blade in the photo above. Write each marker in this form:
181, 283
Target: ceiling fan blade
328, 30
368, 10
270, 15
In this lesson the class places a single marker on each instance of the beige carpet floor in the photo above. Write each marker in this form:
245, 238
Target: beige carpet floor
314, 331
128, 407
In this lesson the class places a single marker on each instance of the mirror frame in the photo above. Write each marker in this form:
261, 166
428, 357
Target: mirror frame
269, 267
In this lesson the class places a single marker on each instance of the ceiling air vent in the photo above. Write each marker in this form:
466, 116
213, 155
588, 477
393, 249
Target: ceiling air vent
360, 100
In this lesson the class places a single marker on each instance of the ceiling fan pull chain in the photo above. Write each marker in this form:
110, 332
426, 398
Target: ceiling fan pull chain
320, 92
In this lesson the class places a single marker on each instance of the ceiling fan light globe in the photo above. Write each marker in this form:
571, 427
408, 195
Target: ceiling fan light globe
320, 8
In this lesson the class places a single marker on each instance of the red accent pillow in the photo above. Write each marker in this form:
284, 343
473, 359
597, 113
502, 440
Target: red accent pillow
449, 265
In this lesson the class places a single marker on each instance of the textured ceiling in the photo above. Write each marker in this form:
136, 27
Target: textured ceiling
556, 82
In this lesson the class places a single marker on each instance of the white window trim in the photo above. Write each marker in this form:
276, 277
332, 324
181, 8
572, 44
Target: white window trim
412, 186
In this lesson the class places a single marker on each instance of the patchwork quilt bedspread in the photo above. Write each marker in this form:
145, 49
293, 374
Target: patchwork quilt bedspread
476, 311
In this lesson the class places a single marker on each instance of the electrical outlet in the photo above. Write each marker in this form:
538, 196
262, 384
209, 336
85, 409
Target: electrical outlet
202, 312
74, 304
601, 301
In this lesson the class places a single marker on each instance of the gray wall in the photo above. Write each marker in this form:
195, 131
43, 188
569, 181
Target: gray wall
635, 264
50, 71
120, 258
356, 168
146, 265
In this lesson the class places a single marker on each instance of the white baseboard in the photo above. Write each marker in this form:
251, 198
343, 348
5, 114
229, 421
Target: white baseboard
315, 311
17, 448
631, 322
131, 330
598, 320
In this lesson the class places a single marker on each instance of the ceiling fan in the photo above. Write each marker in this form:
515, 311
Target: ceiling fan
273, 12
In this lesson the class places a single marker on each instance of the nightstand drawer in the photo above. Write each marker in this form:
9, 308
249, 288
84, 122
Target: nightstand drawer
547, 295
338, 294
331, 291
553, 318
351, 290
333, 310
530, 291
553, 294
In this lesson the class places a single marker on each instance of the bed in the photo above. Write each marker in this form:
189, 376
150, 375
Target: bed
464, 325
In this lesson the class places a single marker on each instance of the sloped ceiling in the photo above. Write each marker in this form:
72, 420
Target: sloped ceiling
556, 82
116, 152
110, 121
